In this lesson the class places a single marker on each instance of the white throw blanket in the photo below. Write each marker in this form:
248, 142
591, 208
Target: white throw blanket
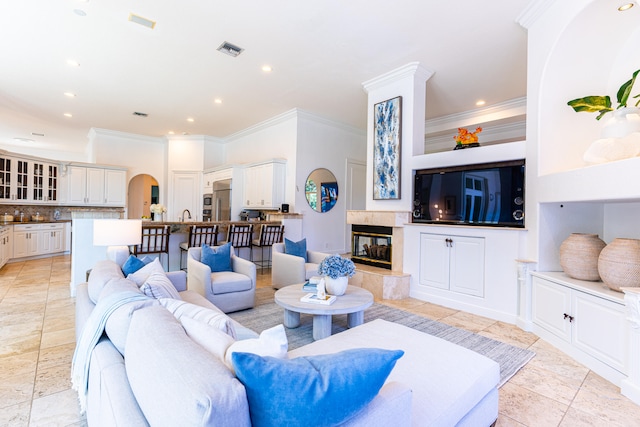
91, 333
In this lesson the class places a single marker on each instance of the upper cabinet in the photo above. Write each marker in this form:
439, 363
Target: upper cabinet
264, 185
28, 181
95, 186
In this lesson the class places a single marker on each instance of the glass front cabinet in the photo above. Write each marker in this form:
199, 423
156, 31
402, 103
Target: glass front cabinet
27, 181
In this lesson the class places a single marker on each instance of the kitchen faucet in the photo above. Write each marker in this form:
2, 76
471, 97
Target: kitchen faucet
187, 211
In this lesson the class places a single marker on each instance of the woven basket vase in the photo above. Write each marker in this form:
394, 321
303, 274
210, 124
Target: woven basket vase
619, 264
579, 256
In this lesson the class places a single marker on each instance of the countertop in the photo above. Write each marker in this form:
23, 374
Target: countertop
48, 221
183, 227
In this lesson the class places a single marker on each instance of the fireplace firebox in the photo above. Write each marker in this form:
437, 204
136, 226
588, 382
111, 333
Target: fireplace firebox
371, 245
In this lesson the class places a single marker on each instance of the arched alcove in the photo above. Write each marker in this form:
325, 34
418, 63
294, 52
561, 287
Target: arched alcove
594, 55
143, 192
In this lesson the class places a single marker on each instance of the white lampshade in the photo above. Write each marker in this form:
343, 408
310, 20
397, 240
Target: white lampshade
117, 232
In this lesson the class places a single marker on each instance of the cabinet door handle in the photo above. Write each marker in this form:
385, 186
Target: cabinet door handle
449, 242
566, 316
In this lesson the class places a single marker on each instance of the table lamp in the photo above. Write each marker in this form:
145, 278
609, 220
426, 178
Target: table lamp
117, 234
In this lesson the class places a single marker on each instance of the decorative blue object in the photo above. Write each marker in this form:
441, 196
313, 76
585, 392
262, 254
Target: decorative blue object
335, 266
323, 390
131, 265
386, 149
296, 248
218, 258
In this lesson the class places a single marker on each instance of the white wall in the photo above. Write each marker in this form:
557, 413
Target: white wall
325, 144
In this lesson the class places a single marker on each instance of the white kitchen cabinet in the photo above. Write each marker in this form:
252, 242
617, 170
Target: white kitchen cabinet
6, 244
264, 185
96, 186
38, 239
588, 319
27, 181
454, 263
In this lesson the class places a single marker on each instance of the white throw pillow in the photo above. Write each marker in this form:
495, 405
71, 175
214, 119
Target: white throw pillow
209, 337
158, 286
181, 308
140, 276
272, 342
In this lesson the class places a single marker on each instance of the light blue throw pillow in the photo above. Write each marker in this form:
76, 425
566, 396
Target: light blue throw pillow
323, 390
296, 248
218, 258
131, 265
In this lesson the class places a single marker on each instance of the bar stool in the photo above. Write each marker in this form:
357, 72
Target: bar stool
240, 236
269, 234
155, 240
198, 236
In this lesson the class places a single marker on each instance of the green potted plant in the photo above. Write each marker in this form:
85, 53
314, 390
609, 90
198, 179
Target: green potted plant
602, 104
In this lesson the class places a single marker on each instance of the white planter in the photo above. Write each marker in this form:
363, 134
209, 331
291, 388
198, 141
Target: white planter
336, 286
619, 139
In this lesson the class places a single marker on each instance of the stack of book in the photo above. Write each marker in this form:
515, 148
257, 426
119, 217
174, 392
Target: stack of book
311, 285
313, 298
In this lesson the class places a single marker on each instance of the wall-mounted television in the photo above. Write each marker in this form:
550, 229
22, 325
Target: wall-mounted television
488, 194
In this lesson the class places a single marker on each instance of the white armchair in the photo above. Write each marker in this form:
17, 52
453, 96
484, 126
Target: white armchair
228, 290
289, 269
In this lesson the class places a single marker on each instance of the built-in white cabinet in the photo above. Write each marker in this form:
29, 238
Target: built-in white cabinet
27, 181
6, 244
585, 317
454, 263
95, 186
38, 239
264, 185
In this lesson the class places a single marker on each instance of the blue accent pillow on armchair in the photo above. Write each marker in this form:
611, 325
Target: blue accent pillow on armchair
296, 248
217, 258
323, 390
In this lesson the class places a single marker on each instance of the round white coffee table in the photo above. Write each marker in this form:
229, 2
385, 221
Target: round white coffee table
353, 303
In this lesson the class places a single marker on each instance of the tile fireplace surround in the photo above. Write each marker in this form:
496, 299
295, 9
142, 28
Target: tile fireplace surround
383, 283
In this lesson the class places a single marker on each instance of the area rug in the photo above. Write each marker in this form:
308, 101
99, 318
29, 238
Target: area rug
509, 357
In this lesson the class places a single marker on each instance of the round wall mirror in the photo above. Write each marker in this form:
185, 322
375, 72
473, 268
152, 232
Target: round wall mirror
321, 190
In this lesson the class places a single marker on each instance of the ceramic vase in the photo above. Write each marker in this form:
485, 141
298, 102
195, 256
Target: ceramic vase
157, 217
336, 286
619, 138
579, 256
619, 264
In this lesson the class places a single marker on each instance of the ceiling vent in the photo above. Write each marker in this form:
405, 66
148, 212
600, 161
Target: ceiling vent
230, 49
139, 114
142, 21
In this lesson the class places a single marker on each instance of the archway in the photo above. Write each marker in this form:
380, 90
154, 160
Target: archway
143, 192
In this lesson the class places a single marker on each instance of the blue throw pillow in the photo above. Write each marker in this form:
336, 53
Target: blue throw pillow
296, 248
323, 390
131, 265
217, 258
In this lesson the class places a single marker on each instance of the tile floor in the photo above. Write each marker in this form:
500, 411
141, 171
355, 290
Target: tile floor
37, 340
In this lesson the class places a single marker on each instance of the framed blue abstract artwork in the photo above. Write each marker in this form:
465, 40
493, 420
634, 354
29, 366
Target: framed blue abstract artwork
387, 117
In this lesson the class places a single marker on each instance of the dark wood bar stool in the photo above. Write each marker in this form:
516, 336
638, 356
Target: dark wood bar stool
269, 234
240, 236
198, 236
155, 240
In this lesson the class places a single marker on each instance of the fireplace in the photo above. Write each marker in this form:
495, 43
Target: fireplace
371, 245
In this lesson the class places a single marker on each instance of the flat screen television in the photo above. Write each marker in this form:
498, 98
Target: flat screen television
488, 194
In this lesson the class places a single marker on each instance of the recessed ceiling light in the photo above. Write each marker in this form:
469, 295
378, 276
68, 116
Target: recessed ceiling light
217, 101
72, 63
79, 12
171, 132
68, 115
480, 102
267, 68
142, 21
626, 6
190, 120
70, 94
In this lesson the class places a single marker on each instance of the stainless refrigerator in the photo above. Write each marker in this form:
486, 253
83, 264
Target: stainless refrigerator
221, 200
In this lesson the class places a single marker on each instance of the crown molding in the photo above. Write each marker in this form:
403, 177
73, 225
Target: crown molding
305, 115
280, 118
511, 108
412, 69
532, 12
199, 138
93, 132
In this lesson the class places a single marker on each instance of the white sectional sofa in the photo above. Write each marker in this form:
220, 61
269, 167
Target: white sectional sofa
164, 378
